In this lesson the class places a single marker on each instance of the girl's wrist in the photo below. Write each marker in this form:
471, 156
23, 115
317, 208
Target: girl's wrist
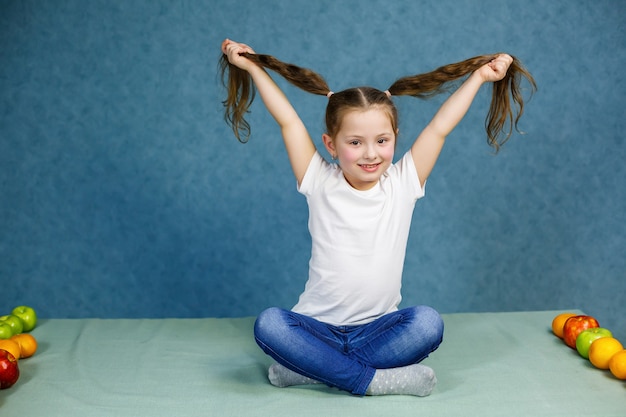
254, 69
477, 77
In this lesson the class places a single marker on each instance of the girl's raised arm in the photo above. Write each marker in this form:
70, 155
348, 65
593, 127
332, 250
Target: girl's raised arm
300, 147
428, 145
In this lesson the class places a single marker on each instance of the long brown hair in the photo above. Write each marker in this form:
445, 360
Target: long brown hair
502, 118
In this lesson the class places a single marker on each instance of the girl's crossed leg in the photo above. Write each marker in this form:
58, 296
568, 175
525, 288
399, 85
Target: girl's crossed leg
374, 358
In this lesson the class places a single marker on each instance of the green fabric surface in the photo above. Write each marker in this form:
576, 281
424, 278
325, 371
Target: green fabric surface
490, 364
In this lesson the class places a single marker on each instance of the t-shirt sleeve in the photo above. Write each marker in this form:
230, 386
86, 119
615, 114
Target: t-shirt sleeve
312, 175
405, 170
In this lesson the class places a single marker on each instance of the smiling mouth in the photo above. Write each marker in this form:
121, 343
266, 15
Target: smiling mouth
369, 167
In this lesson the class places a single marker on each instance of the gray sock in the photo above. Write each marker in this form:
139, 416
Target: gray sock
282, 377
408, 380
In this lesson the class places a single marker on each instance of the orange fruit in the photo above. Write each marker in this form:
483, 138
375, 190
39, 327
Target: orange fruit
28, 344
601, 351
10, 346
559, 321
617, 365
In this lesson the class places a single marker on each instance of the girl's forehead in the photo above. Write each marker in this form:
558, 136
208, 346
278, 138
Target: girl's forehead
373, 118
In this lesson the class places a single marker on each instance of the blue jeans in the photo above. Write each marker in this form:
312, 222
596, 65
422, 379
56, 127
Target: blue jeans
347, 357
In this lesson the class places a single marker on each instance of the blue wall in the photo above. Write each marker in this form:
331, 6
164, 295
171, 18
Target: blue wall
124, 194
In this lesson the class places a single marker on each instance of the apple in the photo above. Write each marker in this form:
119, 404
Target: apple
574, 325
6, 331
15, 322
9, 371
28, 316
587, 337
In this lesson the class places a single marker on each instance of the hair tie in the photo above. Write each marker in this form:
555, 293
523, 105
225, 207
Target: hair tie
388, 93
330, 93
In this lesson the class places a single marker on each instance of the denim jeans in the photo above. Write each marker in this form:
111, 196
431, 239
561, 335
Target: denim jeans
347, 357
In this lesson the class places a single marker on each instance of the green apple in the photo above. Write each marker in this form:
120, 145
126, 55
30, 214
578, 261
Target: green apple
16, 323
6, 331
587, 337
28, 316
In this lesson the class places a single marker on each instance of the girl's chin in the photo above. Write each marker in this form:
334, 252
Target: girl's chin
363, 182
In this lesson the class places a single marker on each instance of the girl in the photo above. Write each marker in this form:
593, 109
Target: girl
346, 330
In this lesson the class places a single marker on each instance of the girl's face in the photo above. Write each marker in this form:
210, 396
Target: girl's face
364, 146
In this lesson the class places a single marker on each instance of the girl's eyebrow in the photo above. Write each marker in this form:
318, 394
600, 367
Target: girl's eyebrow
375, 136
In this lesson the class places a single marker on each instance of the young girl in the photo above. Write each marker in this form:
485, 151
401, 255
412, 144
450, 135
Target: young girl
346, 330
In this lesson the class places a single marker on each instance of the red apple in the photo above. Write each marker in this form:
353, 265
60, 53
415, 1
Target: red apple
574, 325
9, 371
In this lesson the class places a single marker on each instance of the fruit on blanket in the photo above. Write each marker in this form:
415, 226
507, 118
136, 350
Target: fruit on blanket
16, 323
587, 337
28, 344
617, 365
602, 350
6, 331
9, 371
576, 324
558, 322
11, 346
28, 316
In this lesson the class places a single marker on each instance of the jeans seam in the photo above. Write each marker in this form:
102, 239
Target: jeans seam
274, 355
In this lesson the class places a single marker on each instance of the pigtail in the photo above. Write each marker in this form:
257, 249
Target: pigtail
500, 112
241, 93
302, 78
241, 90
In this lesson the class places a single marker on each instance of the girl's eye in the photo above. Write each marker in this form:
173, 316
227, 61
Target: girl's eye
354, 142
382, 140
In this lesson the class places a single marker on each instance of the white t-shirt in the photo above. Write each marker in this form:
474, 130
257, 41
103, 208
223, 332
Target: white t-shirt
359, 242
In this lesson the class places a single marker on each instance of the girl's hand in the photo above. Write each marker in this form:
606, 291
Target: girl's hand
232, 50
496, 69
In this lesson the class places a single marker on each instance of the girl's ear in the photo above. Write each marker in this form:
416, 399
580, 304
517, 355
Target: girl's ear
330, 145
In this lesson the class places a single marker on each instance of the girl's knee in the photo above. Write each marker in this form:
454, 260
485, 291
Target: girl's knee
269, 314
267, 320
429, 322
272, 325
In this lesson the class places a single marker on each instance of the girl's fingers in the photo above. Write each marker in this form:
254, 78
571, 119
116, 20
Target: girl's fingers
225, 45
233, 48
228, 45
501, 63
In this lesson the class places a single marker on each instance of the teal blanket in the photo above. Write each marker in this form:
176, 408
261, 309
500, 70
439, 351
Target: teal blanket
489, 364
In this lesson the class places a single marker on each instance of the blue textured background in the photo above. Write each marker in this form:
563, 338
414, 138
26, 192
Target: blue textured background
124, 194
